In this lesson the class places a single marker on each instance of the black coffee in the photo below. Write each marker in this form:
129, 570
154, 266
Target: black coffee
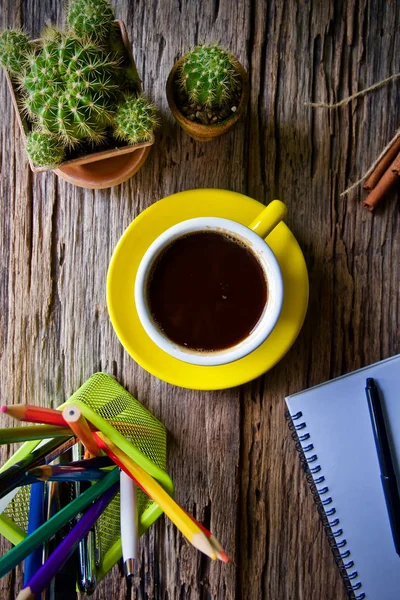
207, 291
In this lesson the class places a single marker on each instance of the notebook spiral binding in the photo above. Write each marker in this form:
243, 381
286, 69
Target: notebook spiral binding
324, 502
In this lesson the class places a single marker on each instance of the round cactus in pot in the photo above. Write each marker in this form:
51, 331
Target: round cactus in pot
207, 91
77, 89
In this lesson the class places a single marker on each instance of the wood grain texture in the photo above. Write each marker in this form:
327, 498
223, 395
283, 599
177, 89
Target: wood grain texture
230, 453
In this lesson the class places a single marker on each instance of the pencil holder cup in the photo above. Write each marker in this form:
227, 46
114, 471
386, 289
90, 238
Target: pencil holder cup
117, 414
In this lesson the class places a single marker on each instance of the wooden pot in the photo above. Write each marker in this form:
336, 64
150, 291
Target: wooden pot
121, 162
206, 133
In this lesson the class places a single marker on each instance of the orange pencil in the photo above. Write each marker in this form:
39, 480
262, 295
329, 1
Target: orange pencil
75, 419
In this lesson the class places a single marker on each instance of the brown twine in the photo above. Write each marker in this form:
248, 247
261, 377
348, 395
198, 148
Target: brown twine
345, 101
373, 166
375, 86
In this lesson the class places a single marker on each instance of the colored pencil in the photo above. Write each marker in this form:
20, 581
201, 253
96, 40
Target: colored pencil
63, 473
87, 576
79, 425
129, 523
45, 453
35, 519
67, 547
50, 416
213, 541
100, 462
34, 414
152, 488
38, 432
17, 554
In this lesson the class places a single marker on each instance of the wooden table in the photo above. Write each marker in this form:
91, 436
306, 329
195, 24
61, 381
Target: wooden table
230, 453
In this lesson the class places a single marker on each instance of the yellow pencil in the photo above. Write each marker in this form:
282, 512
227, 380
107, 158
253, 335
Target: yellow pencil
75, 419
152, 488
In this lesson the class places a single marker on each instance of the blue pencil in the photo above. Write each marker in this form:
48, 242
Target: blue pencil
36, 517
62, 473
66, 548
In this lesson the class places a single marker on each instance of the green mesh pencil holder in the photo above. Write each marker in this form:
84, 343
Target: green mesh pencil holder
116, 413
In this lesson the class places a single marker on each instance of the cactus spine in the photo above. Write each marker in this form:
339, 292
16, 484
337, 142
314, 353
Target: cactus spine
135, 120
209, 75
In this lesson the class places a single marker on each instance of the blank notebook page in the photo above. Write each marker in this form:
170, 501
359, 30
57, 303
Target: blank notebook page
337, 418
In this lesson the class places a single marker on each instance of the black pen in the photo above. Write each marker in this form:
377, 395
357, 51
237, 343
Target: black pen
388, 476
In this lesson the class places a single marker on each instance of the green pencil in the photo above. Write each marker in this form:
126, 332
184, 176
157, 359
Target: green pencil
50, 527
36, 432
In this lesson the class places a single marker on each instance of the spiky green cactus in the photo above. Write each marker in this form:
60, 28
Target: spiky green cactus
77, 87
91, 19
135, 120
44, 149
70, 90
14, 49
209, 75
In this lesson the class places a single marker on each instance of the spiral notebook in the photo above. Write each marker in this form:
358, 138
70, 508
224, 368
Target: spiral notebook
332, 428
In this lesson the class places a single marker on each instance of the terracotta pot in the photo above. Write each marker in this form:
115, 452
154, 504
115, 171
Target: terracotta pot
206, 133
107, 167
104, 173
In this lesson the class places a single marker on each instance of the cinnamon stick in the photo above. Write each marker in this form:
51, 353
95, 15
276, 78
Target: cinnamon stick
385, 162
385, 184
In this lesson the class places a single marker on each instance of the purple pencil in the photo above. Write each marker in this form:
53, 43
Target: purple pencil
61, 554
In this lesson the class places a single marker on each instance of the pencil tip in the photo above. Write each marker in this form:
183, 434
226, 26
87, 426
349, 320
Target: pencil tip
26, 594
224, 557
3, 408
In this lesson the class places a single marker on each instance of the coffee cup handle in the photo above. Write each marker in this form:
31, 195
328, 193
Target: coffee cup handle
269, 218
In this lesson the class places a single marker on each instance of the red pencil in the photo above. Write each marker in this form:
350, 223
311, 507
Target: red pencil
48, 416
34, 414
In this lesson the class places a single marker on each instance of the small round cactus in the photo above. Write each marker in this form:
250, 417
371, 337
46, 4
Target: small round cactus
44, 149
209, 75
14, 50
91, 19
70, 90
135, 120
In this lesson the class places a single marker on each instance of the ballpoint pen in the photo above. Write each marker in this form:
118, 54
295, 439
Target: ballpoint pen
129, 523
388, 475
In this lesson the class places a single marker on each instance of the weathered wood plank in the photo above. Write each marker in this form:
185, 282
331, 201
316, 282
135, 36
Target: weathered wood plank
230, 453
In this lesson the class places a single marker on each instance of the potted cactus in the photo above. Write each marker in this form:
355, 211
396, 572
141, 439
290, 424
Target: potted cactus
77, 94
207, 92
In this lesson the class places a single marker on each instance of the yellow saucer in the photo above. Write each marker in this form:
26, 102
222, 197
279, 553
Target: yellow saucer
125, 262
